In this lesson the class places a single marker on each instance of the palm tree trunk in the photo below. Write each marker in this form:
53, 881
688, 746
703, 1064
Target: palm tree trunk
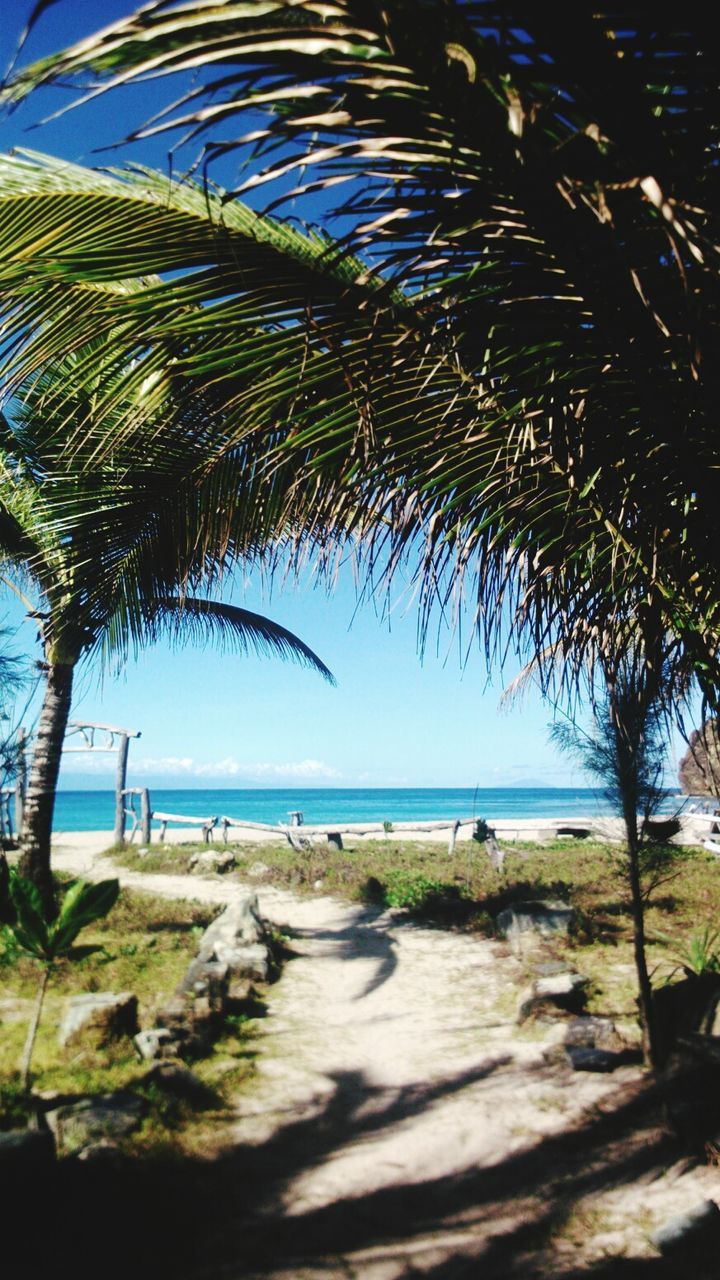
42, 783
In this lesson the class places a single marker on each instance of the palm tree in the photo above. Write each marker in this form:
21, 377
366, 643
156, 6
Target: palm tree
543, 185
117, 555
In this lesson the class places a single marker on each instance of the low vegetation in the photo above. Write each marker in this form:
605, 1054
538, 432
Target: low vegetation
144, 945
146, 942
463, 891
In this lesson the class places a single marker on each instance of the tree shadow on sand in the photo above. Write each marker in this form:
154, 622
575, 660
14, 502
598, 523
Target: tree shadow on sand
366, 936
233, 1215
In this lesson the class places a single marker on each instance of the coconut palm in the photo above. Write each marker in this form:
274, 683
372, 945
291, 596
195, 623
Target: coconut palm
116, 556
544, 186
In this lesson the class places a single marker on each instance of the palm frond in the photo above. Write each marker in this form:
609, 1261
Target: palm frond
190, 619
531, 417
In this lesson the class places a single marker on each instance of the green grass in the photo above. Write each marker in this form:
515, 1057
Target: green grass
464, 892
144, 945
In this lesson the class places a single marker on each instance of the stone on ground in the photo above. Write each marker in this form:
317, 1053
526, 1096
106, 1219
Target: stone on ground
107, 1117
96, 1018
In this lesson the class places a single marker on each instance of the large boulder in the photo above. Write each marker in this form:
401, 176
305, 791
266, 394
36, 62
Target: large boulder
238, 939
104, 1118
157, 1042
685, 1008
180, 1082
97, 1018
590, 1032
532, 921
213, 860
699, 770
554, 996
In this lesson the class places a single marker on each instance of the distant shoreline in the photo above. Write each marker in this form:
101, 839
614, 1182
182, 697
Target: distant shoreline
94, 809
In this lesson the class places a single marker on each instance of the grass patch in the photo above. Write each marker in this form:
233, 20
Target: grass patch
463, 891
144, 945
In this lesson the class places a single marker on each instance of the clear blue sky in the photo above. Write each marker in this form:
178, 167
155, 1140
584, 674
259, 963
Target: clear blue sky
212, 720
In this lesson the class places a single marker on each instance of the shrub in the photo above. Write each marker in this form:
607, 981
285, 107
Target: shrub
413, 890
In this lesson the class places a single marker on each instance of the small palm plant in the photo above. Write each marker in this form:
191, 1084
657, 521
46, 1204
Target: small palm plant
701, 953
48, 942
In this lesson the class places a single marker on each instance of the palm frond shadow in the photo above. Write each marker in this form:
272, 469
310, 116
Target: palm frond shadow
233, 1215
366, 937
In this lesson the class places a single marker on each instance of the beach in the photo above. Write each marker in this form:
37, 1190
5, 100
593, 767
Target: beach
693, 830
399, 1117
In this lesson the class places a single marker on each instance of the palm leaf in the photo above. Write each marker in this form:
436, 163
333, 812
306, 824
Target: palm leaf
191, 618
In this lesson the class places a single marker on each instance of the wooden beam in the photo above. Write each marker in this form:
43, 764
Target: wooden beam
120, 776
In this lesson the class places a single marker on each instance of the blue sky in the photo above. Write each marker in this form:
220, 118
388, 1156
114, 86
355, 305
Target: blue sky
210, 719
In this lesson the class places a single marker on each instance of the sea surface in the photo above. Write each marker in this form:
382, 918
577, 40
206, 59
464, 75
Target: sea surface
94, 810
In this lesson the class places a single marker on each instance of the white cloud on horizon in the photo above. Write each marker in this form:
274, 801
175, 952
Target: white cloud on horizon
232, 768
185, 766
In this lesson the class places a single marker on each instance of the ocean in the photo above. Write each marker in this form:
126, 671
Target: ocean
94, 810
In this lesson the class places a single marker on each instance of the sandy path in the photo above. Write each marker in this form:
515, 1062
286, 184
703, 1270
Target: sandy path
402, 1123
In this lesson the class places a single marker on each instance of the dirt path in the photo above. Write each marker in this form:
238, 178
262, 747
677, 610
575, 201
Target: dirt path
401, 1124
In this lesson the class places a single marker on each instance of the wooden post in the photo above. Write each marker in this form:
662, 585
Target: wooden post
120, 777
21, 781
145, 816
453, 838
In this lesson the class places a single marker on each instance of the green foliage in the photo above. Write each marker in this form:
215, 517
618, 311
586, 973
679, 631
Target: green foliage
625, 748
481, 831
701, 954
81, 905
413, 889
15, 1109
48, 941
594, 366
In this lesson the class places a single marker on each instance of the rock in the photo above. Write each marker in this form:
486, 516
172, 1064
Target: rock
538, 918
250, 962
238, 938
699, 1229
687, 1007
240, 989
103, 1152
586, 1058
239, 922
257, 870
562, 992
217, 860
108, 1116
208, 979
180, 1082
547, 968
97, 1018
593, 1033
173, 1014
25, 1153
699, 770
193, 1016
177, 1017
157, 1042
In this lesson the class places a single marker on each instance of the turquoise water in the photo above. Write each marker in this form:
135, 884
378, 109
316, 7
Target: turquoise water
94, 810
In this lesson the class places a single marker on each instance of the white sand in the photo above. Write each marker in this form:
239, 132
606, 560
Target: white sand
391, 1066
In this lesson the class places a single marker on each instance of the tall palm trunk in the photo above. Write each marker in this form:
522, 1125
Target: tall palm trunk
42, 782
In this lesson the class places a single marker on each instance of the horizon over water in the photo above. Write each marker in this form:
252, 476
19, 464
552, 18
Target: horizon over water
95, 810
